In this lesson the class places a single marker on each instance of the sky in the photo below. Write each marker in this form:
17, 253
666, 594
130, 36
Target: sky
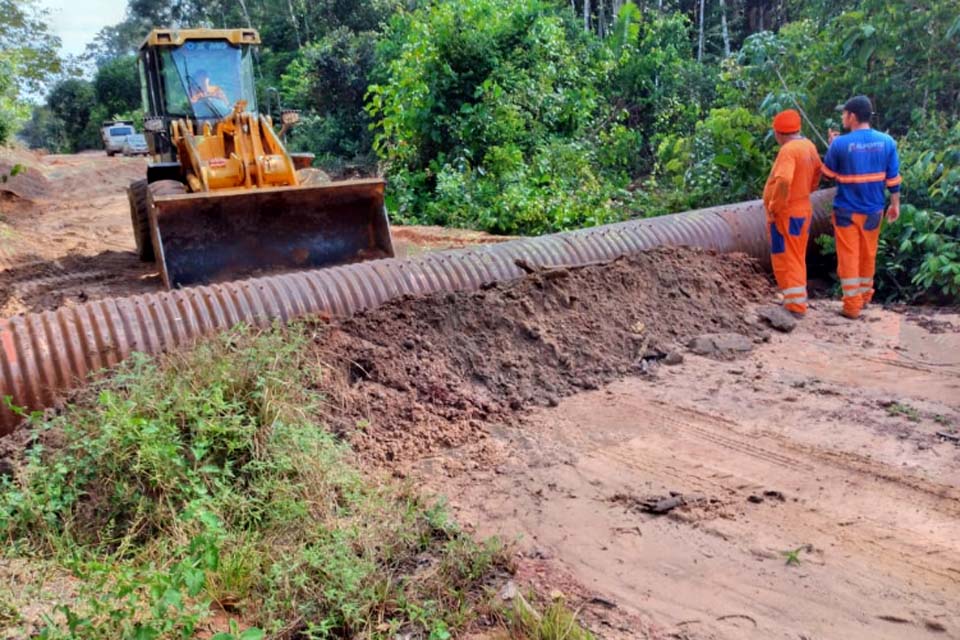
78, 21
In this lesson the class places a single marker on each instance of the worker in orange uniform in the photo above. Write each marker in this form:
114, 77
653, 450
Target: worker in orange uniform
795, 174
863, 162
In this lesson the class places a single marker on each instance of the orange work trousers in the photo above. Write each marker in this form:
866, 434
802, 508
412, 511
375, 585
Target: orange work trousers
788, 253
857, 236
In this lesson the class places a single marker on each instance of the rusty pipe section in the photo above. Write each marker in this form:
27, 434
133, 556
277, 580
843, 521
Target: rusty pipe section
43, 354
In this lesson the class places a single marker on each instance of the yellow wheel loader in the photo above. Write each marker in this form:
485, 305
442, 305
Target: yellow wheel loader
223, 198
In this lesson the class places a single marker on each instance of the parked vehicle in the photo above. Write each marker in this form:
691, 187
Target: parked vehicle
114, 134
135, 145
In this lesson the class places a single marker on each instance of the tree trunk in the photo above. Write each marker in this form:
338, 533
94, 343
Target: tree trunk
700, 41
302, 7
601, 21
586, 15
723, 25
246, 14
296, 27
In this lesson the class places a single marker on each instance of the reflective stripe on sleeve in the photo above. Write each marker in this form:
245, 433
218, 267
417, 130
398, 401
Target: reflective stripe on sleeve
862, 178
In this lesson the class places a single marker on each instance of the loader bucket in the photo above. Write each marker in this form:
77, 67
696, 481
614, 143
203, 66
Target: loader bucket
212, 236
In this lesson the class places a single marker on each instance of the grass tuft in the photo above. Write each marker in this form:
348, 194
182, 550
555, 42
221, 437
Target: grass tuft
898, 409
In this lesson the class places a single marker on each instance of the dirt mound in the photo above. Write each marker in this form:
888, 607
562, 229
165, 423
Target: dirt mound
418, 374
65, 177
21, 189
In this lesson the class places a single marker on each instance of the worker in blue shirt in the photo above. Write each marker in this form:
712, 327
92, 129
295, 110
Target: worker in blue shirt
864, 164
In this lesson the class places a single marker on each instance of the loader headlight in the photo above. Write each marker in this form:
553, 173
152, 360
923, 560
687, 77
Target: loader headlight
290, 116
153, 125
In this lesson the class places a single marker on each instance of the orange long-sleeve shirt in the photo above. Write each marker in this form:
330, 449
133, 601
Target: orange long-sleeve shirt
795, 174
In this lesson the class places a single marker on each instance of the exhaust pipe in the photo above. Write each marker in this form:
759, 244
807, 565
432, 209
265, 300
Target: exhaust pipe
44, 354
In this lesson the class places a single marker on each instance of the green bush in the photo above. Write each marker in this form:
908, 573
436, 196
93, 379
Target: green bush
726, 159
331, 76
919, 255
206, 480
655, 80
490, 117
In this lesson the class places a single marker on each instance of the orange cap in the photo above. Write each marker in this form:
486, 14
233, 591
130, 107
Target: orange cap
787, 122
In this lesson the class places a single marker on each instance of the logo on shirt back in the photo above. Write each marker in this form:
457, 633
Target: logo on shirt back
866, 147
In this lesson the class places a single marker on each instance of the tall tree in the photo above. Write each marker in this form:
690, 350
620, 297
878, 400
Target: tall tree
28, 59
73, 101
724, 29
117, 87
700, 39
27, 46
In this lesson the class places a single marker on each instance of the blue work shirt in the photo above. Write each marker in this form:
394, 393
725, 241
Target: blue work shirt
863, 162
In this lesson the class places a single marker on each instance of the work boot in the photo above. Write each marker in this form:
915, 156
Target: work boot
850, 312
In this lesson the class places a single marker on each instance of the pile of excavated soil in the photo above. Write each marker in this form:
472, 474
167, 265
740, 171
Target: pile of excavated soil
74, 179
28, 184
417, 375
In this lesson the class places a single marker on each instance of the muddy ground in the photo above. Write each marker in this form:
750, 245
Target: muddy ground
800, 485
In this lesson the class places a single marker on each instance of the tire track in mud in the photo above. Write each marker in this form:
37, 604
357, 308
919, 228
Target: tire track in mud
29, 283
668, 449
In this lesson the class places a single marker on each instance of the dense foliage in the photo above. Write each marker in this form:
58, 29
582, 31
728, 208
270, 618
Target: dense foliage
483, 119
541, 115
28, 58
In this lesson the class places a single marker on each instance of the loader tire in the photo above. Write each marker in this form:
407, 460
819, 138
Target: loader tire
167, 188
139, 218
312, 176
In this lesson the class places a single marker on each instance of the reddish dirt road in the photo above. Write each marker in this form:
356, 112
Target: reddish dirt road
796, 448
66, 237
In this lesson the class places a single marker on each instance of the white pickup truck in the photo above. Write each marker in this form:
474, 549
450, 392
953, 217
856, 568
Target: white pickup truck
114, 134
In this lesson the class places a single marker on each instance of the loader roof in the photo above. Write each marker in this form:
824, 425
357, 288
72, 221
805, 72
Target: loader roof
176, 37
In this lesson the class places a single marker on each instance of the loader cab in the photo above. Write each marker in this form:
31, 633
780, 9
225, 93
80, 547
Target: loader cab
193, 74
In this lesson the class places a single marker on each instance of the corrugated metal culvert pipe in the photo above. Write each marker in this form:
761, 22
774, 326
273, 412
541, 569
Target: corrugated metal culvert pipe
43, 354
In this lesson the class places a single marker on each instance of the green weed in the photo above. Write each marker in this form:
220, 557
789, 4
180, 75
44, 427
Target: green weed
557, 622
202, 480
793, 556
905, 410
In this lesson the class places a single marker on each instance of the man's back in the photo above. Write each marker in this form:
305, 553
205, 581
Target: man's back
863, 162
795, 173
806, 169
